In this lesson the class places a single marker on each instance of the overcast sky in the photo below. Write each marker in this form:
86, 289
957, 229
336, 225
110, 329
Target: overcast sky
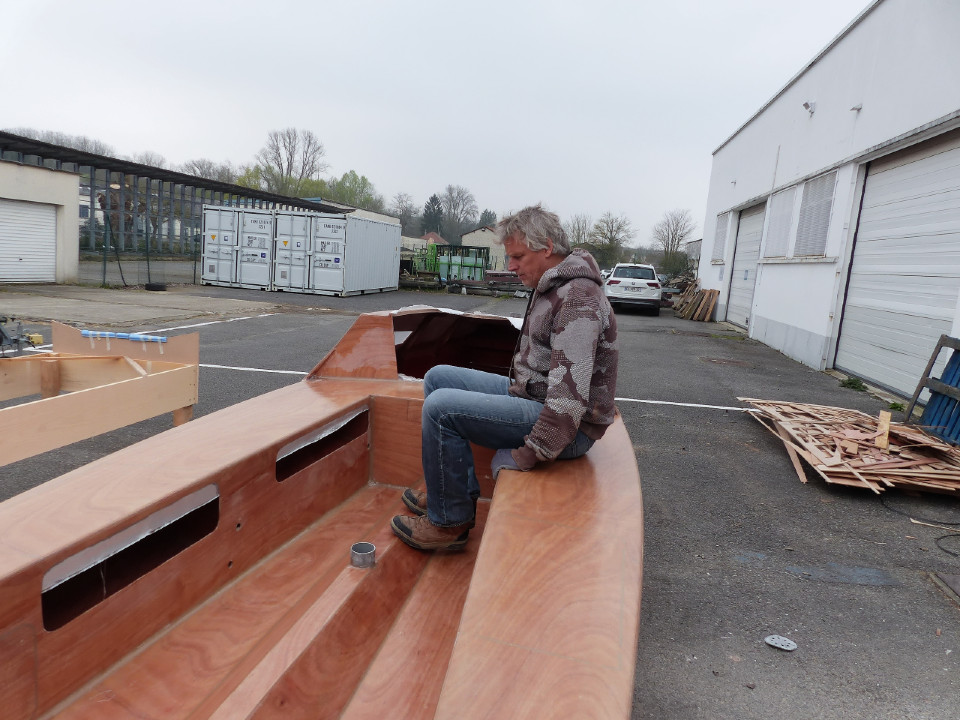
587, 106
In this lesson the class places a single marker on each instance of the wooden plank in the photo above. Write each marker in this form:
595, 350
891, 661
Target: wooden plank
569, 649
43, 425
792, 454
883, 438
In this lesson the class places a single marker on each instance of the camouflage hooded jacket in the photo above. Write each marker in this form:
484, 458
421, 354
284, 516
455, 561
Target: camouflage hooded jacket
567, 359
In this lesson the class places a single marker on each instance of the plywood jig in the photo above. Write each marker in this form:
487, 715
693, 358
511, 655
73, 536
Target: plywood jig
88, 386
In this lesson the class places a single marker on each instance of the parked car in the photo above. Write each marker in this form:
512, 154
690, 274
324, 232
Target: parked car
632, 284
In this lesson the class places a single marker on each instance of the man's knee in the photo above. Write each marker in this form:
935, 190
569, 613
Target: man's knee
434, 378
438, 403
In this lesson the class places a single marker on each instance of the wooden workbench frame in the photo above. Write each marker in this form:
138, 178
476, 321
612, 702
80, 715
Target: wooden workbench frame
88, 387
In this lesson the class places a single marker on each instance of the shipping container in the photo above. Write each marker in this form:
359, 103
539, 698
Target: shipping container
323, 253
354, 255
292, 250
237, 247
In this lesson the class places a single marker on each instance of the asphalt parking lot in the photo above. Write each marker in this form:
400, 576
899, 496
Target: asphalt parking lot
736, 547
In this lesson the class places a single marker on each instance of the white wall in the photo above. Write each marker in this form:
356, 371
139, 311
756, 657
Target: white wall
485, 237
52, 187
900, 62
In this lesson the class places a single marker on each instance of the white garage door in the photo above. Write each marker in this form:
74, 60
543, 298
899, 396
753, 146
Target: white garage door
28, 242
743, 277
905, 273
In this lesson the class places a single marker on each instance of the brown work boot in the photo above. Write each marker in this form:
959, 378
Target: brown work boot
416, 501
417, 504
420, 533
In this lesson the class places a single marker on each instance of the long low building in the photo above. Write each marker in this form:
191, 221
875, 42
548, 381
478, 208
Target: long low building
832, 229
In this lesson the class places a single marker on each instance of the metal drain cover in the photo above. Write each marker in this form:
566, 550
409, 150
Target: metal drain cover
778, 641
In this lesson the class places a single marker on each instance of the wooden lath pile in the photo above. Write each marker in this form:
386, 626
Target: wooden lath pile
848, 447
696, 304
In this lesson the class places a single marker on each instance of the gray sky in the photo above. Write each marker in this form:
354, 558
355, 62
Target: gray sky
586, 107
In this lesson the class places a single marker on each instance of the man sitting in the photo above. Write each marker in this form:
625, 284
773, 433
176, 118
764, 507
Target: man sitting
555, 403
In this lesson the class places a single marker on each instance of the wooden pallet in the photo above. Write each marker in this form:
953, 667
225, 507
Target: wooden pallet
696, 304
848, 447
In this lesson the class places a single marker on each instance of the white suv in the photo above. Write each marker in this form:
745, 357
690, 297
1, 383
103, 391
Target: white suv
631, 284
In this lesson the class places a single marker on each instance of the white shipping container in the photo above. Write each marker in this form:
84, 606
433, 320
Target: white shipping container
354, 255
325, 253
255, 261
292, 251
220, 245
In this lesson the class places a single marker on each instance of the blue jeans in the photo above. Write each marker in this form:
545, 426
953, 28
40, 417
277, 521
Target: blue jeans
462, 406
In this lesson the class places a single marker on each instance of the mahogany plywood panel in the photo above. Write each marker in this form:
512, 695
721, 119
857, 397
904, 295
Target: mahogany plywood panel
256, 518
395, 440
191, 664
404, 680
573, 530
366, 351
313, 669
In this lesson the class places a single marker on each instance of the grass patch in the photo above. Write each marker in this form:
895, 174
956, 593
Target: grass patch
899, 407
853, 383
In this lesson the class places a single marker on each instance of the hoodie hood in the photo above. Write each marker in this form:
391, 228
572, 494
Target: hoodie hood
578, 264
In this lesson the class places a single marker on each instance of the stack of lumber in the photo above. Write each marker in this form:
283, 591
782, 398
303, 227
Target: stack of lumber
696, 304
848, 447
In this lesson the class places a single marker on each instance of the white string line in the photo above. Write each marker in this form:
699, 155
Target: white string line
692, 405
250, 369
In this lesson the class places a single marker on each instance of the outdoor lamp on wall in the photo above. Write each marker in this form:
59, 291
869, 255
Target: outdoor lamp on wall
810, 107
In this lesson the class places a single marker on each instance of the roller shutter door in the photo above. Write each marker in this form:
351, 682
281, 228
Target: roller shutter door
28, 242
743, 276
905, 271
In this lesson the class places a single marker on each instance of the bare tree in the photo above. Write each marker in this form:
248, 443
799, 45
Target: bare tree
403, 207
608, 238
459, 212
670, 233
210, 170
578, 230
77, 142
150, 158
290, 157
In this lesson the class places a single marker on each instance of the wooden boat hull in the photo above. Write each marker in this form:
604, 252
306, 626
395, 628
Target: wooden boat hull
204, 573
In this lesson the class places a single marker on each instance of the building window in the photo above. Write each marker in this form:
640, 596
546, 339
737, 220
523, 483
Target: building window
815, 209
720, 237
780, 222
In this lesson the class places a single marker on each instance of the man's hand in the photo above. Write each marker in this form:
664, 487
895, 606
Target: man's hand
503, 460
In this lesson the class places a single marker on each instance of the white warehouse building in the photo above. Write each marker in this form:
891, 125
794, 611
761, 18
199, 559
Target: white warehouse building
832, 229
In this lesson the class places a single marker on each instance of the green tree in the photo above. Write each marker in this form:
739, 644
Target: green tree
356, 190
432, 218
488, 218
250, 176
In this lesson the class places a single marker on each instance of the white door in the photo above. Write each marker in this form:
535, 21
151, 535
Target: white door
743, 275
28, 242
904, 286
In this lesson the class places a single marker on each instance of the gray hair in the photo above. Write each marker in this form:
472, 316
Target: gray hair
537, 226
